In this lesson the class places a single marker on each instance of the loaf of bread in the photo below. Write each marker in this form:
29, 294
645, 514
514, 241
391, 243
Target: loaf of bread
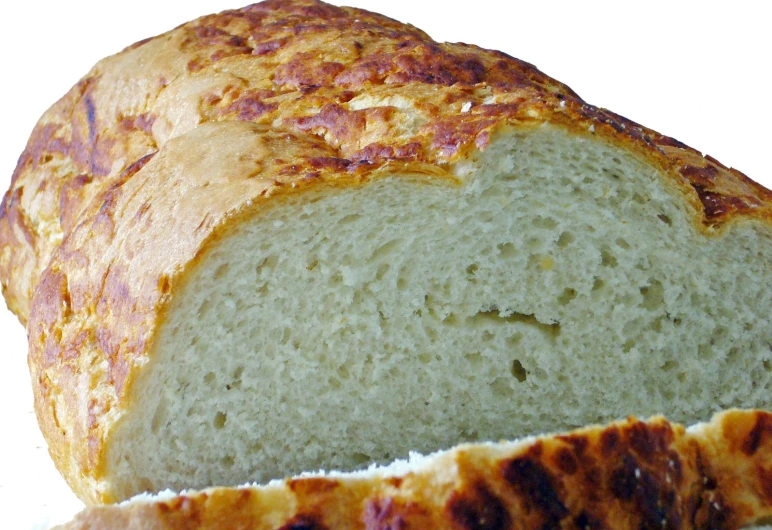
296, 236
627, 475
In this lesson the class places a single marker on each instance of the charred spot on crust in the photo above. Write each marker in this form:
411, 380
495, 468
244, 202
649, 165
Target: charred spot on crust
383, 514
654, 500
539, 489
712, 513
329, 162
304, 522
702, 515
717, 200
624, 479
586, 521
208, 34
765, 479
478, 509
134, 168
377, 152
430, 63
249, 108
300, 11
270, 46
395, 482
619, 124
650, 439
212, 35
700, 176
223, 54
593, 475
577, 442
565, 461
670, 142
675, 465
195, 66
761, 428
450, 134
657, 504
305, 70
343, 125
609, 440
416, 60
717, 205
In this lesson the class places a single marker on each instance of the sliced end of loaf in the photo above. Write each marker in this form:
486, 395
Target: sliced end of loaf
560, 283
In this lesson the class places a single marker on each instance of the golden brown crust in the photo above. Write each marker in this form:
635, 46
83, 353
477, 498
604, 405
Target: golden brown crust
375, 89
631, 474
130, 155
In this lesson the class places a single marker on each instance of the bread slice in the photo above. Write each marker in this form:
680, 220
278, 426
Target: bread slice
296, 236
626, 475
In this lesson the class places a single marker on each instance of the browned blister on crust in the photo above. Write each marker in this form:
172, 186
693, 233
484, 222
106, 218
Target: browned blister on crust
628, 475
373, 88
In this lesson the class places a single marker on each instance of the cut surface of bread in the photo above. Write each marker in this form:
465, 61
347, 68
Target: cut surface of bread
402, 314
626, 475
245, 260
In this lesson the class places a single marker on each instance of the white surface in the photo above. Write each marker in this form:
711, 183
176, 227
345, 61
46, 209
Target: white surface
697, 71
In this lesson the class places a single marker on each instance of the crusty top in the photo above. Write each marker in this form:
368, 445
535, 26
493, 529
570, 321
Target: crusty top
160, 149
629, 475
377, 91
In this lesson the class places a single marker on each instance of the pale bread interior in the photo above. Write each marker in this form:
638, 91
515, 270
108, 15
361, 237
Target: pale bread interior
562, 283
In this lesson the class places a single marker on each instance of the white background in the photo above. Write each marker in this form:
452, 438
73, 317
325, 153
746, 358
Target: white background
699, 72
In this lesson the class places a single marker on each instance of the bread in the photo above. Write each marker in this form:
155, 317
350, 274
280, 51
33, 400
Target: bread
297, 236
627, 475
